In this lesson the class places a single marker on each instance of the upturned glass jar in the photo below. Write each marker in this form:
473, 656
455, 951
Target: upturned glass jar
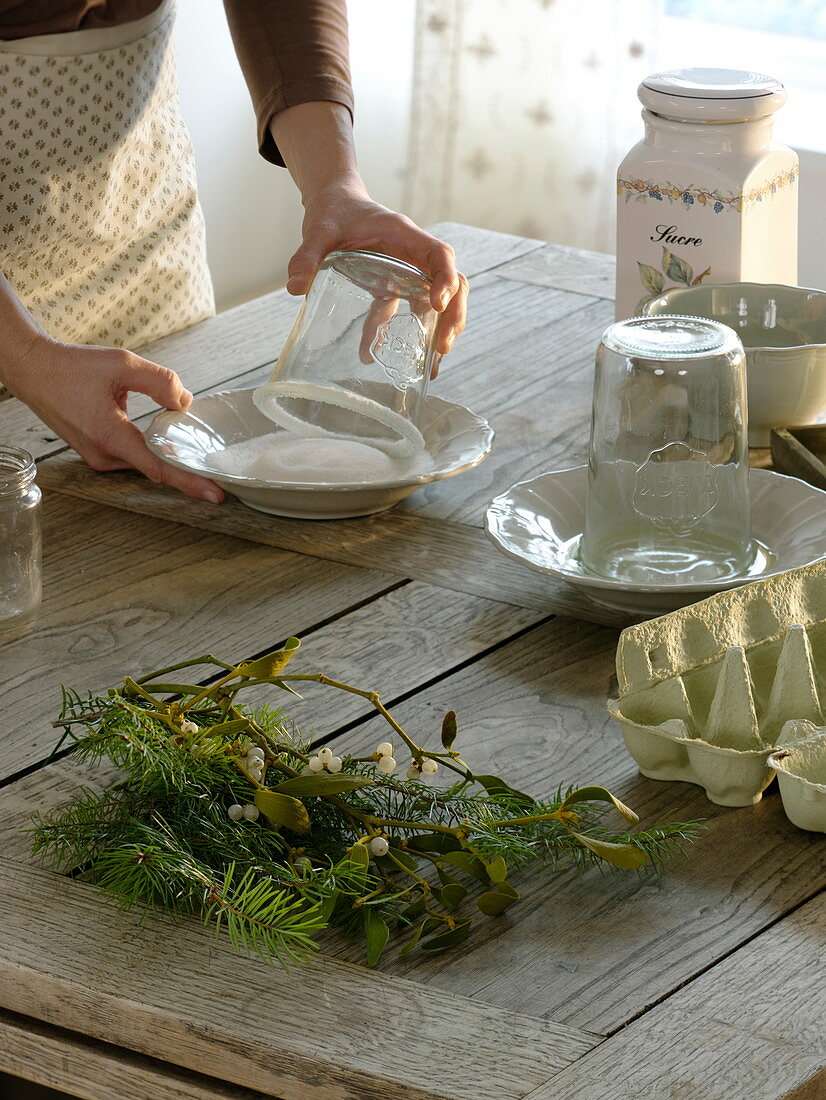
357, 362
20, 538
667, 499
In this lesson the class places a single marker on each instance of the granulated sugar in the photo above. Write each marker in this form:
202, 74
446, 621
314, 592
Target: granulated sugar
281, 457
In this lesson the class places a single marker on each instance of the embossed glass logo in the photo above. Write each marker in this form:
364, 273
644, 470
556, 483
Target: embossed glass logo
399, 346
675, 487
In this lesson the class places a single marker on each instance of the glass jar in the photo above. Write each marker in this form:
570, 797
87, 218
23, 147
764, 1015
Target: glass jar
708, 196
357, 362
667, 499
20, 538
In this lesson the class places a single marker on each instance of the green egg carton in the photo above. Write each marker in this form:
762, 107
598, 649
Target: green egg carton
706, 691
800, 765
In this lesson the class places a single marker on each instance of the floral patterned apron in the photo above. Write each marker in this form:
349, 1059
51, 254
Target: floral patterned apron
101, 232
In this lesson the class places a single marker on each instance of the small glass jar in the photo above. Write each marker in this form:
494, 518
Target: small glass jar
668, 499
20, 538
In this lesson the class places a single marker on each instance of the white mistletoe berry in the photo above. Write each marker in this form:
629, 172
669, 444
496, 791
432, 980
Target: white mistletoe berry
255, 753
188, 727
334, 765
251, 812
314, 764
429, 767
413, 771
325, 755
385, 749
379, 846
235, 812
387, 765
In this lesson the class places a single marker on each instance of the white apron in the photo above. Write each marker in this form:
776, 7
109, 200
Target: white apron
101, 232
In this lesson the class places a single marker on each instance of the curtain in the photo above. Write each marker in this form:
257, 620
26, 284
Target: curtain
522, 110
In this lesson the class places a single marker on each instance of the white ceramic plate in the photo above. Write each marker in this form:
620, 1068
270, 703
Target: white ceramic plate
456, 439
539, 522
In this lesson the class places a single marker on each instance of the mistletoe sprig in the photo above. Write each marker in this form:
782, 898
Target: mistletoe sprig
228, 814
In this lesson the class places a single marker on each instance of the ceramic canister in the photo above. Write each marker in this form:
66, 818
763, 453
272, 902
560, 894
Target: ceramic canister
707, 196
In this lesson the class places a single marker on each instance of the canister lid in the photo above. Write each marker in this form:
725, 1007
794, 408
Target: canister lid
711, 95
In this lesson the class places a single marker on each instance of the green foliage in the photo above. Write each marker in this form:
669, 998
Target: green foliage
450, 729
400, 862
283, 809
262, 917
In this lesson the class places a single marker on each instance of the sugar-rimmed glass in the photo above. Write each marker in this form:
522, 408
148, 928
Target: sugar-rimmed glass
667, 498
20, 538
357, 362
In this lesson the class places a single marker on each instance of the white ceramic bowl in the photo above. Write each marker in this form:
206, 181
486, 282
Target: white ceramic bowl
539, 522
456, 440
783, 329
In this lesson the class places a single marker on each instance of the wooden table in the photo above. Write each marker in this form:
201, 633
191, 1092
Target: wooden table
705, 983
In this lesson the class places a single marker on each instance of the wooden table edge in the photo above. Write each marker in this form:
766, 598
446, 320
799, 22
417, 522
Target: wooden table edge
47, 974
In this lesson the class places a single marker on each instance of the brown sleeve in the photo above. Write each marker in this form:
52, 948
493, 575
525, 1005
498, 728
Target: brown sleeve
291, 51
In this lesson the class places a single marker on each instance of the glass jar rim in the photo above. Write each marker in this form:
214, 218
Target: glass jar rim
719, 339
17, 468
382, 256
381, 275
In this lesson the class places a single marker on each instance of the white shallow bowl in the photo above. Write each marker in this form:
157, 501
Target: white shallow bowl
540, 522
456, 439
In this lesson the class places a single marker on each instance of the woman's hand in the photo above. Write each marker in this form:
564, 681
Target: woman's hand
80, 391
344, 216
316, 142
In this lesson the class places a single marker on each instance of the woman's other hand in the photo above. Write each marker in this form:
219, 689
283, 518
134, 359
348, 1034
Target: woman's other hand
80, 391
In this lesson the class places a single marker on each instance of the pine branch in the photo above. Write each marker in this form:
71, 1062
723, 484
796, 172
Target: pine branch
263, 919
199, 824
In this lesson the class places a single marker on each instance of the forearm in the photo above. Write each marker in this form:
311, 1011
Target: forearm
316, 142
19, 332
291, 52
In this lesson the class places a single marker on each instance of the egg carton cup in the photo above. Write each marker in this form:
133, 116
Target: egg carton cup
800, 766
707, 692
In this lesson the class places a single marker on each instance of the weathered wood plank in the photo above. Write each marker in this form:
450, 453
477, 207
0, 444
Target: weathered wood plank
395, 644
594, 950
92, 1070
587, 950
327, 1030
128, 593
479, 250
573, 269
750, 1027
450, 555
